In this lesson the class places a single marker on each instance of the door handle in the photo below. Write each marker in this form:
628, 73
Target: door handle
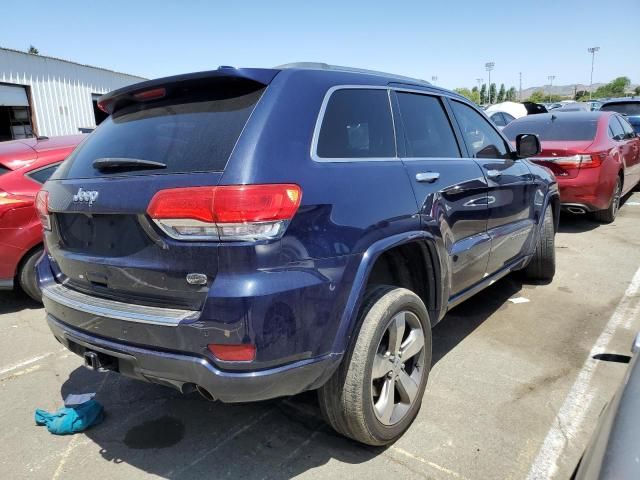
494, 173
427, 177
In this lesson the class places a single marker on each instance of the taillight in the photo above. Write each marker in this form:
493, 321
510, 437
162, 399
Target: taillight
574, 161
42, 207
150, 94
226, 213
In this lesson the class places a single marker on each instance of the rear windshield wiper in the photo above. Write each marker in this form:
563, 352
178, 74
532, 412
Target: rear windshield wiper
125, 163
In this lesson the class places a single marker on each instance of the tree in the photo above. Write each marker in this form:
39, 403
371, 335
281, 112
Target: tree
483, 94
33, 50
615, 88
475, 95
581, 95
540, 96
492, 93
636, 91
511, 94
501, 93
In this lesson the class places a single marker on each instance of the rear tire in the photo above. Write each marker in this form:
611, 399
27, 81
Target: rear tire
542, 266
609, 214
374, 396
27, 278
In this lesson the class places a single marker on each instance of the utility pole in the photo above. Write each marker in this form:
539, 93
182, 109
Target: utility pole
520, 91
592, 51
550, 78
488, 67
434, 78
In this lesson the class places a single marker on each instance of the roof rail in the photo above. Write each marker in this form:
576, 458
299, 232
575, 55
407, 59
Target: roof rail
326, 66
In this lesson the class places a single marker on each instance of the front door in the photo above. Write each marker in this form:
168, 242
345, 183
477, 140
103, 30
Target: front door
511, 190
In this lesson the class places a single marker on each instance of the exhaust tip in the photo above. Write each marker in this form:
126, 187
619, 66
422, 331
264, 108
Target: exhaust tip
576, 210
205, 393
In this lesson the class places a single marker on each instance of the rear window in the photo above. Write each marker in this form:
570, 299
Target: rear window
558, 129
357, 124
4, 170
194, 133
631, 108
42, 175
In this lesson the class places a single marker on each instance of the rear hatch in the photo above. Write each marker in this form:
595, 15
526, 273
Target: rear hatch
163, 134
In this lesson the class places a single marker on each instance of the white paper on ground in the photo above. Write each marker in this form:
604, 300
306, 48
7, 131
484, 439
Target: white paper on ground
519, 300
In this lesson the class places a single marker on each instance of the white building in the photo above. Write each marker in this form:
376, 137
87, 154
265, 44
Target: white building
47, 96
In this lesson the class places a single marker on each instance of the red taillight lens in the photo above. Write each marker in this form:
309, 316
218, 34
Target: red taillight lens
574, 161
256, 203
42, 207
232, 212
233, 353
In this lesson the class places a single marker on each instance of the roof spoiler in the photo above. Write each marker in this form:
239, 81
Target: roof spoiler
534, 108
117, 99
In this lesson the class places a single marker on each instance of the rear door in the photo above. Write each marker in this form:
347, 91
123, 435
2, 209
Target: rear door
450, 190
101, 241
511, 187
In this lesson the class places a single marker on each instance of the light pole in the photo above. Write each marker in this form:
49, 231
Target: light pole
520, 91
592, 51
434, 78
551, 78
488, 67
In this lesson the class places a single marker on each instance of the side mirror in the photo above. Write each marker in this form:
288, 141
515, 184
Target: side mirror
527, 145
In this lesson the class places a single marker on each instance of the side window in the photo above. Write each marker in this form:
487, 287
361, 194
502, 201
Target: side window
427, 130
615, 129
480, 136
498, 119
43, 174
626, 126
508, 118
357, 124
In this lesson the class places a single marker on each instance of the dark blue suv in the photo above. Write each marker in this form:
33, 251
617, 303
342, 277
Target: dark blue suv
254, 233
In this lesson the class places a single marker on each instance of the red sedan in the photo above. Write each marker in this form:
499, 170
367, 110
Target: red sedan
594, 155
24, 166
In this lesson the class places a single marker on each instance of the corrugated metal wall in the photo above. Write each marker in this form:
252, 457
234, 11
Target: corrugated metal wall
60, 91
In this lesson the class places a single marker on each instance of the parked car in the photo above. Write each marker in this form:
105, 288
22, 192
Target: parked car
516, 109
614, 448
629, 107
252, 233
500, 119
574, 107
24, 166
594, 155
553, 106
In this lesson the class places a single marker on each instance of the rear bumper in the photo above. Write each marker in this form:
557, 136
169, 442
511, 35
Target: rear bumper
185, 371
591, 189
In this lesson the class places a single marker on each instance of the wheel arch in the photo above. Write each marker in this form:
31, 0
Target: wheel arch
416, 246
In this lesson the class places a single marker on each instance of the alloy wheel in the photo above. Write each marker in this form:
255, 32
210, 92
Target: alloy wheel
398, 368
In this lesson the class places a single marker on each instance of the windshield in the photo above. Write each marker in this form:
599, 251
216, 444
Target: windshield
631, 108
557, 129
187, 134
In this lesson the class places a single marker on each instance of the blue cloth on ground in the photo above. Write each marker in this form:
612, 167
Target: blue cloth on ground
70, 420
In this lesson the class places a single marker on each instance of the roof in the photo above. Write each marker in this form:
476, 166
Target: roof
338, 68
570, 116
621, 100
70, 62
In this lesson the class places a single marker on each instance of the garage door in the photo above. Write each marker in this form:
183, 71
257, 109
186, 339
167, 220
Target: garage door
11, 96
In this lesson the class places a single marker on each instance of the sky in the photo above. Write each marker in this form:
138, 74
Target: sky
451, 40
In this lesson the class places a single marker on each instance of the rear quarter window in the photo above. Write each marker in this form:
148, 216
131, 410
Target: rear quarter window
4, 170
357, 123
191, 133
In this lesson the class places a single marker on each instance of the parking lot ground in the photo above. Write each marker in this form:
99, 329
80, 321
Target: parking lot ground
514, 393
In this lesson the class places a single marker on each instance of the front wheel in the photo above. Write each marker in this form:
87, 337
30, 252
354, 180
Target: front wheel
376, 393
542, 266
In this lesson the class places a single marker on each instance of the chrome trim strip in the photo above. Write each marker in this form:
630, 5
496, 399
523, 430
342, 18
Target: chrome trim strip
168, 317
6, 284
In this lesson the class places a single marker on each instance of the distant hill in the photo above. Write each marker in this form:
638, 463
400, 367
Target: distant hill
563, 90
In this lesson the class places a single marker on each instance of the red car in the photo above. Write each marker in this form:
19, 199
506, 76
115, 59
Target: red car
24, 166
594, 155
